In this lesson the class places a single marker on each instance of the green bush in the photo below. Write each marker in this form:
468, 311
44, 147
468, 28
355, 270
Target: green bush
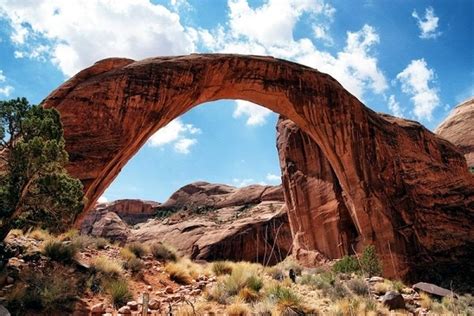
369, 261
254, 283
118, 291
59, 251
163, 252
346, 264
138, 249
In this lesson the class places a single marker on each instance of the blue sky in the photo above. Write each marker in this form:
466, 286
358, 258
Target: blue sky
413, 59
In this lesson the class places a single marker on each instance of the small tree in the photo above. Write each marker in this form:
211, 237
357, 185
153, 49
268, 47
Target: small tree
35, 189
369, 261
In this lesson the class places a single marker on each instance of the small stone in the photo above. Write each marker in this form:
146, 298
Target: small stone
10, 280
393, 300
169, 290
133, 305
98, 308
154, 304
150, 288
125, 310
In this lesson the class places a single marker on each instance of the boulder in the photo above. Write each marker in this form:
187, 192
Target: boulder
432, 289
110, 226
393, 300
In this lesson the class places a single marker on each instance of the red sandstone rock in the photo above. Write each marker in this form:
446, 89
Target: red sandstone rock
407, 190
131, 211
458, 128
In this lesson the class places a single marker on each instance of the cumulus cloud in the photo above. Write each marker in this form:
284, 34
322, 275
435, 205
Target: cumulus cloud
242, 182
415, 80
395, 107
256, 114
273, 177
178, 134
428, 25
5, 89
102, 200
78, 33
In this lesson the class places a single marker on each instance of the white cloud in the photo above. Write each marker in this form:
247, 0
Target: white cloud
273, 177
321, 31
415, 80
242, 182
257, 115
428, 25
102, 200
81, 32
178, 133
395, 107
5, 90
183, 145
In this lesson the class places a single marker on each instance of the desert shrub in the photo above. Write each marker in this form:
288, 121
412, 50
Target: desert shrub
254, 283
238, 309
138, 249
163, 252
248, 295
337, 291
135, 265
218, 293
369, 261
358, 286
381, 288
39, 234
425, 301
86, 241
276, 273
118, 291
221, 267
347, 306
107, 266
290, 263
59, 251
49, 290
126, 254
398, 286
263, 308
346, 264
284, 297
178, 273
320, 281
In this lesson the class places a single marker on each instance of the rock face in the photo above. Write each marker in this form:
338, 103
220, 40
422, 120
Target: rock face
131, 211
458, 128
438, 224
207, 221
407, 190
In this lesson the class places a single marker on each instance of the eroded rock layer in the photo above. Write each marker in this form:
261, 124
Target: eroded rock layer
407, 190
436, 230
458, 128
204, 221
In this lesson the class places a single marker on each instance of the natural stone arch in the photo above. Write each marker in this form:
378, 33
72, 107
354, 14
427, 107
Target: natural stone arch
111, 109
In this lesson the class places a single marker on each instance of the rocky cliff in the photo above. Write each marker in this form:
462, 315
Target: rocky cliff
204, 221
433, 223
458, 128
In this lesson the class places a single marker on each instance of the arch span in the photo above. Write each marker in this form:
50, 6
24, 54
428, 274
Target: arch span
110, 109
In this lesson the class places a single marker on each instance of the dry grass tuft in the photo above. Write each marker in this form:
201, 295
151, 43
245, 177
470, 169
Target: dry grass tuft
221, 267
179, 273
107, 266
238, 309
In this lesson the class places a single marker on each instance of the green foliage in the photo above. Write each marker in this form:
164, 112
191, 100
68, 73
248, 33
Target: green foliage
118, 291
346, 264
163, 252
254, 283
35, 189
138, 249
369, 262
60, 251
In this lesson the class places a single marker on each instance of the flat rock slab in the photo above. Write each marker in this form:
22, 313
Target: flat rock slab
432, 289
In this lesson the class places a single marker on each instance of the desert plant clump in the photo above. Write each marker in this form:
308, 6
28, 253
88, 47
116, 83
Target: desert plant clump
107, 266
138, 249
164, 252
86, 241
39, 234
337, 291
358, 286
59, 251
118, 291
135, 265
284, 297
238, 309
369, 261
179, 273
221, 267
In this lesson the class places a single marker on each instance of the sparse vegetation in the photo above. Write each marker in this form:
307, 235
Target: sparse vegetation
238, 309
346, 264
358, 286
59, 251
178, 273
118, 291
369, 261
164, 252
107, 266
135, 265
284, 297
138, 249
221, 267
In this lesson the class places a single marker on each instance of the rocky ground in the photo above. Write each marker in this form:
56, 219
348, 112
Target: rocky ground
179, 286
